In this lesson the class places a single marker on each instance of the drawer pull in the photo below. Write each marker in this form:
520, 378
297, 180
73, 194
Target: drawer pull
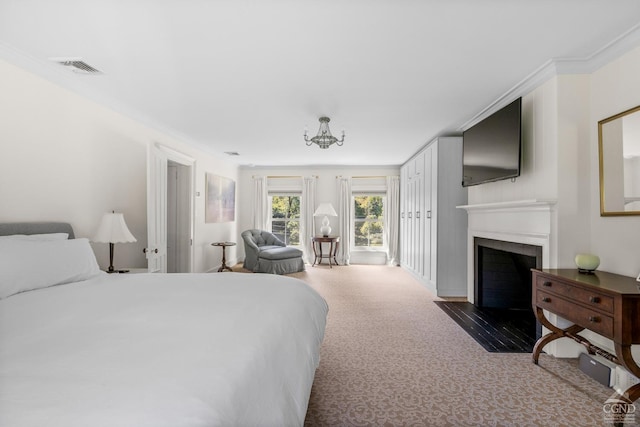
546, 299
594, 300
594, 319
547, 284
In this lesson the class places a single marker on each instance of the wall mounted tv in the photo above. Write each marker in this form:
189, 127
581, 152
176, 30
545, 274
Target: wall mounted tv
491, 148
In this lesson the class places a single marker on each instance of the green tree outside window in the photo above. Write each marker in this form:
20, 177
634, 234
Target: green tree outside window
285, 219
368, 221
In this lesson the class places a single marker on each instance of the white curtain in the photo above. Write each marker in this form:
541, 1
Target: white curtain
344, 218
307, 222
392, 219
260, 203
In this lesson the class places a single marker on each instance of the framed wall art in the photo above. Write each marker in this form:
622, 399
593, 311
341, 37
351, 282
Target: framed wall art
220, 199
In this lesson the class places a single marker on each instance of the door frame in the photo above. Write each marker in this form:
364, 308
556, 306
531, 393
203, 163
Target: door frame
163, 154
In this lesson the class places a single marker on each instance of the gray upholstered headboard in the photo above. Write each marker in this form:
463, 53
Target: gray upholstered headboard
8, 228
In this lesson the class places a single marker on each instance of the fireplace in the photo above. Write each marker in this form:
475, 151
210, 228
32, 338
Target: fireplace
502, 273
502, 282
523, 223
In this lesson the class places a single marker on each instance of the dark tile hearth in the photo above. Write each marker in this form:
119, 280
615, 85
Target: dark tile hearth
496, 330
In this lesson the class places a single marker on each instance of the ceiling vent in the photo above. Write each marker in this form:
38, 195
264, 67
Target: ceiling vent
232, 153
77, 65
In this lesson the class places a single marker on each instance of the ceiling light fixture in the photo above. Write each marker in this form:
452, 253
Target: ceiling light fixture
324, 139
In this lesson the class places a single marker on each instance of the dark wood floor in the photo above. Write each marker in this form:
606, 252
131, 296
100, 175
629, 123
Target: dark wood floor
496, 330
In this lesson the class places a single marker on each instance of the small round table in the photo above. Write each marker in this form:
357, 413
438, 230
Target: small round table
224, 265
333, 249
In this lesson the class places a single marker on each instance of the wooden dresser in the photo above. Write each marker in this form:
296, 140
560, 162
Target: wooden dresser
605, 303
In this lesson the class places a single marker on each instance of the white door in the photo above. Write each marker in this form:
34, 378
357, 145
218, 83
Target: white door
156, 249
178, 231
158, 159
173, 249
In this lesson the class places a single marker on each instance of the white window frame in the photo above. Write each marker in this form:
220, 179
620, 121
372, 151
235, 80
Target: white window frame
271, 218
352, 238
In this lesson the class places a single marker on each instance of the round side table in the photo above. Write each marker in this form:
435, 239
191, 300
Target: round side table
333, 249
224, 245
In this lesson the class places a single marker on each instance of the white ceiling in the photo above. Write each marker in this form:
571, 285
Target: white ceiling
249, 75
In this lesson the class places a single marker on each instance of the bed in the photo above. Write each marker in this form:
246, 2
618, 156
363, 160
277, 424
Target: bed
216, 349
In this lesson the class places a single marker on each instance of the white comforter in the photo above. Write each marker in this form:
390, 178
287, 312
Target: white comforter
174, 350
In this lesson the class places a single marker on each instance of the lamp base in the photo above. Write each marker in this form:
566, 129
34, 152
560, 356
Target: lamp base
325, 229
111, 269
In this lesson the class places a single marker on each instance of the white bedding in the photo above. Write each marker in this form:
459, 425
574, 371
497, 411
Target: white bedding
225, 349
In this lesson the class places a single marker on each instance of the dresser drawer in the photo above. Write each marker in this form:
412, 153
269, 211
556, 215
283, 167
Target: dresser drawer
584, 296
579, 315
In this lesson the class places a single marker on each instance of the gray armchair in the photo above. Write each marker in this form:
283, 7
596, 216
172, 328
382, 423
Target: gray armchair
265, 253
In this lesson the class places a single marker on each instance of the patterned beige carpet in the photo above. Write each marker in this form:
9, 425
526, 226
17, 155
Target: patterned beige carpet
391, 357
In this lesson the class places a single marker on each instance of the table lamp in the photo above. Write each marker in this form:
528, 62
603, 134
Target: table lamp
327, 210
113, 230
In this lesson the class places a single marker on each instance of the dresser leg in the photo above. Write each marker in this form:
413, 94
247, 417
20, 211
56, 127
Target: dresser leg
632, 393
551, 336
626, 359
541, 343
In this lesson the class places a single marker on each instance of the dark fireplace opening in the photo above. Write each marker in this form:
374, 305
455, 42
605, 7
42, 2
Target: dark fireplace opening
502, 282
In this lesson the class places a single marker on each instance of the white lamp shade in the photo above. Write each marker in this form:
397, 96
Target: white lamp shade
113, 229
325, 209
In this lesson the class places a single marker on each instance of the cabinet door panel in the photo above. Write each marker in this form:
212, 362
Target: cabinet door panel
419, 225
410, 231
403, 215
433, 197
428, 213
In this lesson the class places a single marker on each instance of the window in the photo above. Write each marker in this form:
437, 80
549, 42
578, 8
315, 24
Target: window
285, 218
368, 223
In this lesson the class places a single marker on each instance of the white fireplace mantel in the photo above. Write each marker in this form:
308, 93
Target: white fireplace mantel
522, 221
517, 204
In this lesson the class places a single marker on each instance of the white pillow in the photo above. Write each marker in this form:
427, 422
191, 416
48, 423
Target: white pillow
33, 264
48, 236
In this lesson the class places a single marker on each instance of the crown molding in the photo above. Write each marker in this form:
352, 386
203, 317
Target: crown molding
559, 66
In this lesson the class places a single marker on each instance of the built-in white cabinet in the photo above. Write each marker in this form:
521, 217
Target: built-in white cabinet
433, 232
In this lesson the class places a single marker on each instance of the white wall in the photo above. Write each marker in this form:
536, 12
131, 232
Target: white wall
539, 140
555, 164
65, 158
574, 192
326, 191
614, 88
560, 162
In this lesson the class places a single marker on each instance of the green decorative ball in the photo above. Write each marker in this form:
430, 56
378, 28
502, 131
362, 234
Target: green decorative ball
587, 262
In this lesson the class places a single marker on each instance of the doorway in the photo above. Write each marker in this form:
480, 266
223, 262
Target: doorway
178, 224
170, 210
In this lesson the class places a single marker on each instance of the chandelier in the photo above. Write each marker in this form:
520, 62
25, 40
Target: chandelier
324, 139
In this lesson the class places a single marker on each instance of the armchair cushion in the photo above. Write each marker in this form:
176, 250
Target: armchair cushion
277, 252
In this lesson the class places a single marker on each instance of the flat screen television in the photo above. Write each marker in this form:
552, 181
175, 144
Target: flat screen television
491, 148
